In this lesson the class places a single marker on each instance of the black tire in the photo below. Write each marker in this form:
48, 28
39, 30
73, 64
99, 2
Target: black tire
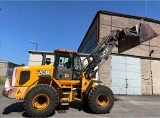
41, 101
85, 101
100, 99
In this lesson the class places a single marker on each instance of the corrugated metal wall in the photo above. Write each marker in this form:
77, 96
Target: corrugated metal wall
126, 75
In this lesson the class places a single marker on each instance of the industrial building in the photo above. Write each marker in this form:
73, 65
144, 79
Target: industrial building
132, 72
6, 68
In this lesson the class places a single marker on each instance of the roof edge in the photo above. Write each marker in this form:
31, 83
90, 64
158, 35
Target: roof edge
116, 14
40, 52
88, 30
129, 16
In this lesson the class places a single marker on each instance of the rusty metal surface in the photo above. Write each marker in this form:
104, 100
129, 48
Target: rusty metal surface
134, 36
5, 92
9, 93
146, 32
128, 43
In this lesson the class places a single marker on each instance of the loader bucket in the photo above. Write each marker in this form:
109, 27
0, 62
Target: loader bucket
146, 32
133, 37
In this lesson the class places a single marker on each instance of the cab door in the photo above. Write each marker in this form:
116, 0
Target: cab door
63, 66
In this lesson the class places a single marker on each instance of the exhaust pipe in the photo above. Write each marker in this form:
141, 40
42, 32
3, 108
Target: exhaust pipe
130, 38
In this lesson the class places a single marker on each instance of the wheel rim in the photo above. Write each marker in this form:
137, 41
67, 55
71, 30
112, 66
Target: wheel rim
40, 101
102, 100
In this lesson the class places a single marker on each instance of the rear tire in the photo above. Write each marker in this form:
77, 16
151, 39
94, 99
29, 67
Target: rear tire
100, 99
41, 101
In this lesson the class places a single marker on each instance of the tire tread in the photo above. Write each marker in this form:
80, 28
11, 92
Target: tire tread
92, 99
53, 99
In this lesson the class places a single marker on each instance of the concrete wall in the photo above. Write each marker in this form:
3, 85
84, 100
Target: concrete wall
149, 69
36, 59
6, 68
3, 68
155, 66
104, 72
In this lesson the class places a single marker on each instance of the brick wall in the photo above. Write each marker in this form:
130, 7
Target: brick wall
108, 23
146, 77
105, 72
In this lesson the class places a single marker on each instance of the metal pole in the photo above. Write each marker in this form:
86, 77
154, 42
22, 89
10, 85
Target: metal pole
146, 8
36, 46
34, 43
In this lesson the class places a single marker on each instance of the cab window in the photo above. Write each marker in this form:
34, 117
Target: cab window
63, 60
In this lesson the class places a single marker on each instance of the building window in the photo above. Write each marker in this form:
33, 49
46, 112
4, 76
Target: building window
91, 44
24, 77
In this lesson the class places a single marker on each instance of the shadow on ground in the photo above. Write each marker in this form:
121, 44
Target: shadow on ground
117, 99
15, 107
19, 108
80, 106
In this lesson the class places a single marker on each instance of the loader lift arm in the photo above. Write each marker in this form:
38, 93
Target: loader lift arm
138, 34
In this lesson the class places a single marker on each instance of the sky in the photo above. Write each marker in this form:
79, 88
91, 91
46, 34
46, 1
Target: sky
56, 24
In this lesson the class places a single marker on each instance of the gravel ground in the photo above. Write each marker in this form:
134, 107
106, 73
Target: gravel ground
125, 106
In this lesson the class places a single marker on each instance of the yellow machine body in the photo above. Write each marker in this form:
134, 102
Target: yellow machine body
44, 75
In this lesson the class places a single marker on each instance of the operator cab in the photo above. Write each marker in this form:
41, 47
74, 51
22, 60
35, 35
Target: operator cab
67, 65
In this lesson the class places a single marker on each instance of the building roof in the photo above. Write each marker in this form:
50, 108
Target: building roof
41, 52
129, 16
52, 53
8, 62
3, 61
117, 14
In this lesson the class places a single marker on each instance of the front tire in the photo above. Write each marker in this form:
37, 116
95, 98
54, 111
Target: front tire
41, 101
100, 99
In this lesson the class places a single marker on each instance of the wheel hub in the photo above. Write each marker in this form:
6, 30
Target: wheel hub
40, 101
102, 100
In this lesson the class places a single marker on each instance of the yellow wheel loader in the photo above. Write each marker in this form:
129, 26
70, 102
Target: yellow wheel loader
45, 86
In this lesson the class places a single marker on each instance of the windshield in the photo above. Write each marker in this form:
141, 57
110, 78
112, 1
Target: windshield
77, 62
